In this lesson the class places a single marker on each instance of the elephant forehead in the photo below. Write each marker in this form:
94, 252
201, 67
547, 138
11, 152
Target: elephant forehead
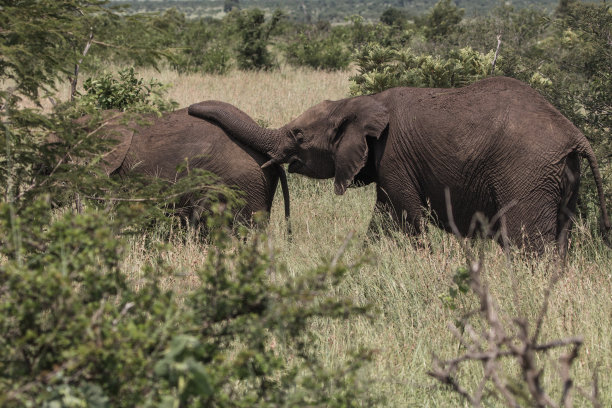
314, 116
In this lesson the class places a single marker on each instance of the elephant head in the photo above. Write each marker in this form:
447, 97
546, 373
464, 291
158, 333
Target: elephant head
117, 127
328, 140
113, 125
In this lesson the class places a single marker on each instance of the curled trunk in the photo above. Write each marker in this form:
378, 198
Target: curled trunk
272, 142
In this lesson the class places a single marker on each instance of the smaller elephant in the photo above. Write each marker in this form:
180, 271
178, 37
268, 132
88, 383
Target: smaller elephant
156, 146
495, 148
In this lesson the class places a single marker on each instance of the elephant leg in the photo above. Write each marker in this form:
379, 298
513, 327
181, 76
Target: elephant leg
530, 224
391, 212
255, 212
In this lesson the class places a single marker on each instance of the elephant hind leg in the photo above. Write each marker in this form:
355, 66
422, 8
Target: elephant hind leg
570, 182
530, 224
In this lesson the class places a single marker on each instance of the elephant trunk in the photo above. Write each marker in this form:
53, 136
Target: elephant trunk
273, 142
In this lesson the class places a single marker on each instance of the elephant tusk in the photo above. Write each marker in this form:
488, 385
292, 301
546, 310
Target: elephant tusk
269, 163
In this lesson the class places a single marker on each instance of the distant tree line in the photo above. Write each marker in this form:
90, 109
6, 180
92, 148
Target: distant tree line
315, 10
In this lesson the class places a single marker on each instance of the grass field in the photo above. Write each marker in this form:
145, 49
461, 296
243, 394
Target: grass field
405, 277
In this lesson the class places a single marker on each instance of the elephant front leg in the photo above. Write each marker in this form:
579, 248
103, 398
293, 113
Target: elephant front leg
393, 213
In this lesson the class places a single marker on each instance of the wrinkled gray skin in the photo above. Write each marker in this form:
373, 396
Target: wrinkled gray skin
497, 147
155, 147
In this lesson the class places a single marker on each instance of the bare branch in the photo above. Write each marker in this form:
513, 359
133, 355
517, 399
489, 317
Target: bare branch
73, 82
496, 53
334, 261
495, 342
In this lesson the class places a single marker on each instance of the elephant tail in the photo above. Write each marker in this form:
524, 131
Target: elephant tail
586, 151
285, 187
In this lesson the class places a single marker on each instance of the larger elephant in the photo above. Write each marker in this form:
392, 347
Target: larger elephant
495, 147
156, 146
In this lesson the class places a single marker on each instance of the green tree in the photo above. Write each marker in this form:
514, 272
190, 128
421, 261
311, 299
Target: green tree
254, 33
320, 47
394, 17
52, 32
229, 5
442, 20
204, 45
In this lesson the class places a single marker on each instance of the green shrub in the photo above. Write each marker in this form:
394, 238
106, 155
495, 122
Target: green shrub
203, 46
394, 17
213, 59
382, 68
127, 91
442, 20
77, 330
254, 33
320, 53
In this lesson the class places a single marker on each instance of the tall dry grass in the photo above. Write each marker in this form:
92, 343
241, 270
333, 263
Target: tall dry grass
405, 277
274, 97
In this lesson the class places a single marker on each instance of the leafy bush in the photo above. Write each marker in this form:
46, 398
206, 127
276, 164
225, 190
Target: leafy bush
320, 53
215, 60
442, 19
394, 17
77, 330
128, 91
382, 68
254, 33
203, 47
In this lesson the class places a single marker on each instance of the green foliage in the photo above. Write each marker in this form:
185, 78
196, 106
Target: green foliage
359, 32
71, 323
214, 58
382, 68
201, 47
319, 51
394, 17
461, 280
76, 330
442, 20
254, 33
139, 40
53, 33
229, 5
108, 92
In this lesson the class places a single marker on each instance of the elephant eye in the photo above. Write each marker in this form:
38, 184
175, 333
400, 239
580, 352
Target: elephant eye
298, 135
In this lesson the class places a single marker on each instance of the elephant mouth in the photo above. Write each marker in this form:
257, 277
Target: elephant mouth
295, 165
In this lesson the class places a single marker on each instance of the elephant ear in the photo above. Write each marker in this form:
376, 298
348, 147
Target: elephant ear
113, 127
123, 134
359, 118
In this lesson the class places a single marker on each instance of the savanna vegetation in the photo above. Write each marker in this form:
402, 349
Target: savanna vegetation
107, 301
315, 10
